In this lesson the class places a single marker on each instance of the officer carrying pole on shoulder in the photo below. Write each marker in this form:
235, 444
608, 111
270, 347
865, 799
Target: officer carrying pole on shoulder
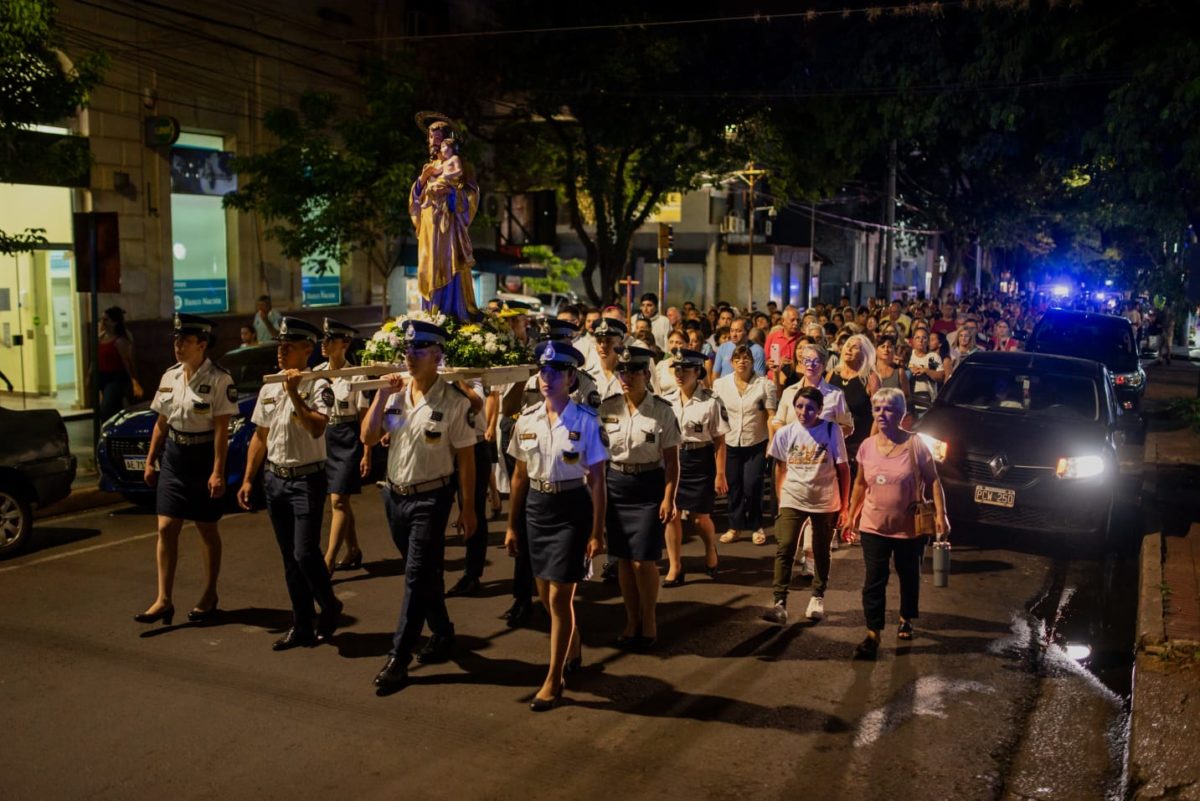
347, 463
290, 437
194, 401
428, 427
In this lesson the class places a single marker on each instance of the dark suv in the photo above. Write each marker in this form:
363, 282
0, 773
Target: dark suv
1104, 338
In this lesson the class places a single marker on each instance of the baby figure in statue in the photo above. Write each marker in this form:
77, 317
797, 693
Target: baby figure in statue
444, 177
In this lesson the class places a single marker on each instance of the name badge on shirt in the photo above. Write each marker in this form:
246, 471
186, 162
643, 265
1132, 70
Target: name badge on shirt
611, 419
696, 427
343, 404
433, 436
268, 401
393, 410
436, 416
201, 408
165, 390
649, 436
530, 435
571, 457
204, 389
573, 436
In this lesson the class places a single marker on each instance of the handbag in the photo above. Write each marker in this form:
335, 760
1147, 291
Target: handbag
924, 512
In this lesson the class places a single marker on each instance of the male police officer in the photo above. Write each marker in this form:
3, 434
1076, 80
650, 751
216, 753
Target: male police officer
290, 434
428, 424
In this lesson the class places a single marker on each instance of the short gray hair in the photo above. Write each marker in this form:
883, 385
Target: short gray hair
891, 396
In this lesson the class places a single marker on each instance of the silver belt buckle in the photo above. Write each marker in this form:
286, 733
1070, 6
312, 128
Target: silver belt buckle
543, 486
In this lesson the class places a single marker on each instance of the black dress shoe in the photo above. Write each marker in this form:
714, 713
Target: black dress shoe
712, 571
166, 615
644, 643
327, 621
295, 638
467, 585
866, 650
518, 613
545, 704
350, 562
675, 582
609, 573
393, 675
437, 650
627, 641
573, 666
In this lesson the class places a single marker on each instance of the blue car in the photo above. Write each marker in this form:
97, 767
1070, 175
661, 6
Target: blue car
125, 437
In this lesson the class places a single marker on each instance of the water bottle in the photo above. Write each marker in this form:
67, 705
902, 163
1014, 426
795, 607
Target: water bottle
941, 563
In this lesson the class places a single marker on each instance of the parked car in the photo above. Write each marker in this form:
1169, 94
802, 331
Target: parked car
36, 470
552, 301
1106, 338
1029, 441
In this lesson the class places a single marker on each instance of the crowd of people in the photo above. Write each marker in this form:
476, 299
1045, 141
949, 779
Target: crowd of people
622, 442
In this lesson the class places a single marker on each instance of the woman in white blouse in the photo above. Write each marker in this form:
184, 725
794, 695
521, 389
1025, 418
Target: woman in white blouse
749, 400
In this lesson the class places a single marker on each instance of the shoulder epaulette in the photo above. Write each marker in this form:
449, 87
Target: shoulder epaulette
662, 400
458, 389
220, 369
530, 409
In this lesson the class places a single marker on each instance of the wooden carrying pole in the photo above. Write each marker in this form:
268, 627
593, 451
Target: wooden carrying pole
493, 375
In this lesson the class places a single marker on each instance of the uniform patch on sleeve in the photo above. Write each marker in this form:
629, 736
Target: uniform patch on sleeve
593, 399
231, 392
470, 418
604, 437
327, 396
573, 436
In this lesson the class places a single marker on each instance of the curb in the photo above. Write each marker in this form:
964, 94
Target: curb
81, 499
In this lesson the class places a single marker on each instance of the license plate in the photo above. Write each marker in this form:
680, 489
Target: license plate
995, 496
134, 463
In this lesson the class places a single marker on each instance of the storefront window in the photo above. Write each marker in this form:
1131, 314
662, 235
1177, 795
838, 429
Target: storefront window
200, 176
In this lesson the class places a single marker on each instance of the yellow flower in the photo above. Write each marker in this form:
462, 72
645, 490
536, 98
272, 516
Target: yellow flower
470, 329
390, 325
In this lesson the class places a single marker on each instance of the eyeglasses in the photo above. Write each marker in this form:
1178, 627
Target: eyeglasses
811, 362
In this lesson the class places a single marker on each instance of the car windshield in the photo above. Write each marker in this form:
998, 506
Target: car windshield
1104, 341
249, 365
1021, 390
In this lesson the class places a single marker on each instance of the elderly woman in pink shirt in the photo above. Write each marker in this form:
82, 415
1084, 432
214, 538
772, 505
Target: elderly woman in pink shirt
894, 468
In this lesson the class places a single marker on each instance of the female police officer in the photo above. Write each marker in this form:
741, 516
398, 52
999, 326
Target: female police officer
346, 461
194, 402
558, 496
642, 476
291, 419
703, 423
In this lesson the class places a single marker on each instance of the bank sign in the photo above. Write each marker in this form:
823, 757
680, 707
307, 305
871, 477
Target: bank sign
320, 282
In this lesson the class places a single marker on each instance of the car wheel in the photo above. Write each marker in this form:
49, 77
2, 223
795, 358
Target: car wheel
16, 520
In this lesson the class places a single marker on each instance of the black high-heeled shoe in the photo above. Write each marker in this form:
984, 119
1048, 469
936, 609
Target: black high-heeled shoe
573, 666
350, 562
546, 704
678, 581
166, 615
204, 615
712, 571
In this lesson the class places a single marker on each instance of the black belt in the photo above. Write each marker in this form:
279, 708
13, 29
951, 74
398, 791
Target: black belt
694, 446
338, 420
555, 487
417, 489
184, 438
634, 469
300, 471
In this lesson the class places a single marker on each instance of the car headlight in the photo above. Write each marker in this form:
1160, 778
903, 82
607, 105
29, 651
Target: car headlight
1134, 379
1079, 467
236, 422
937, 447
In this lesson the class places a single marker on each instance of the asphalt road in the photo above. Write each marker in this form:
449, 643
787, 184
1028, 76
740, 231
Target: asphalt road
984, 703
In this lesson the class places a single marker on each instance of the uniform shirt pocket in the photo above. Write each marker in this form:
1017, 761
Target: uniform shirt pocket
433, 435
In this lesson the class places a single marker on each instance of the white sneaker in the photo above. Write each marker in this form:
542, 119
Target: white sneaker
804, 567
833, 543
777, 614
816, 608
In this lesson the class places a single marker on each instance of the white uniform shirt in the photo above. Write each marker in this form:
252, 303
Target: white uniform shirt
288, 443
641, 436
748, 411
425, 436
478, 418
585, 392
346, 402
562, 451
834, 409
607, 386
190, 406
810, 484
701, 418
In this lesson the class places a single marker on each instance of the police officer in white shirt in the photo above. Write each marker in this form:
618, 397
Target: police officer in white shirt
346, 461
290, 436
429, 428
642, 478
556, 521
195, 400
750, 400
609, 335
703, 423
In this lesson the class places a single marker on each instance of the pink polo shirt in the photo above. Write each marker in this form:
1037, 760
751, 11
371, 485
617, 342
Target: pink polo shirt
892, 486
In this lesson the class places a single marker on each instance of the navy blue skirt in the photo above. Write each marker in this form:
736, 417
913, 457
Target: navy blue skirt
183, 484
697, 472
343, 454
633, 527
558, 527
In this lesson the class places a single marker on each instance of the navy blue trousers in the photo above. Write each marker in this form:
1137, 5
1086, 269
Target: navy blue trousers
296, 507
418, 524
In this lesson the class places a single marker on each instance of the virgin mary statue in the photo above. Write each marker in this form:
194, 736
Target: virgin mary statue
442, 204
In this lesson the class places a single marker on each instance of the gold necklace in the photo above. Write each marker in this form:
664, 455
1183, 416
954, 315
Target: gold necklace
893, 445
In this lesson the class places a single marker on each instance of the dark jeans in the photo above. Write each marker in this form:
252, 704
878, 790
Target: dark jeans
523, 586
477, 545
906, 554
744, 470
114, 389
788, 525
418, 524
296, 507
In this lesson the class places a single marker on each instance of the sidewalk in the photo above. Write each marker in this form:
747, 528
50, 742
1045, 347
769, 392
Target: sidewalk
1164, 743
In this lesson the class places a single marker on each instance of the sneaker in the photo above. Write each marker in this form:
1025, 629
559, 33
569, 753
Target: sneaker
729, 536
759, 537
816, 608
804, 568
833, 543
777, 614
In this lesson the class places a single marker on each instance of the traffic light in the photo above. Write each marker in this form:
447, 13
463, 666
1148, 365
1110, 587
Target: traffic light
666, 241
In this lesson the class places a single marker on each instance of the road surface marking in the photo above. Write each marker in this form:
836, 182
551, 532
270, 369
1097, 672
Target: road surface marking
78, 551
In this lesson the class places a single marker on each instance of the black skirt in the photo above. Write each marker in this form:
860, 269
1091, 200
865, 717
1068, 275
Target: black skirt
697, 472
558, 527
343, 454
183, 484
632, 522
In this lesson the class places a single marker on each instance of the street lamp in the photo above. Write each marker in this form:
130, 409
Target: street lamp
750, 175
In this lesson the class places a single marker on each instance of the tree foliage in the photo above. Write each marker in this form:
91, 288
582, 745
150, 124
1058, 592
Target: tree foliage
558, 270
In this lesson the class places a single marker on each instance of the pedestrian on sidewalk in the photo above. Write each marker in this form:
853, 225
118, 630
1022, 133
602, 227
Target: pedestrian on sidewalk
895, 470
115, 364
290, 437
558, 505
194, 402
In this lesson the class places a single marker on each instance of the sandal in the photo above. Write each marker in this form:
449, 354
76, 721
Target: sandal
905, 632
759, 538
729, 536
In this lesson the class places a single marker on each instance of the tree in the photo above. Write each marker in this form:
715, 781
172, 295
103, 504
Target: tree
337, 181
37, 86
557, 270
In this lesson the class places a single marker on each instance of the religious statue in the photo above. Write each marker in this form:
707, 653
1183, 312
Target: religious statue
442, 204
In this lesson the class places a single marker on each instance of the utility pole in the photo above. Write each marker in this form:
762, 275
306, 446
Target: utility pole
889, 220
806, 290
666, 247
750, 175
